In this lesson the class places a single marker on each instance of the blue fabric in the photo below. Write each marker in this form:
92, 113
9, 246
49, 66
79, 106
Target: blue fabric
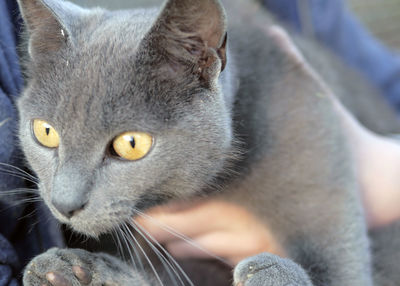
20, 239
8, 263
334, 26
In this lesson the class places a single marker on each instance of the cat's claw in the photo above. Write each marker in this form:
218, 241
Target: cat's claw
269, 270
73, 267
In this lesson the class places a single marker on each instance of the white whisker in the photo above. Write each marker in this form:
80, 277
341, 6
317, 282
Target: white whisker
18, 191
175, 268
18, 203
20, 170
145, 255
19, 175
167, 265
117, 242
129, 247
28, 215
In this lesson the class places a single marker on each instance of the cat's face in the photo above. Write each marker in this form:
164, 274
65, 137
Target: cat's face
95, 75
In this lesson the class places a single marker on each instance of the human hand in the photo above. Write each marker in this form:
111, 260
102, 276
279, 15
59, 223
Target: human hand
221, 228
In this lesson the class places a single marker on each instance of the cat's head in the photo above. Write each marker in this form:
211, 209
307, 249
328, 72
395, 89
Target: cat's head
123, 110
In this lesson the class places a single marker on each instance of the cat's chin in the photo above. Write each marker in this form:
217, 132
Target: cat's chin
93, 229
93, 226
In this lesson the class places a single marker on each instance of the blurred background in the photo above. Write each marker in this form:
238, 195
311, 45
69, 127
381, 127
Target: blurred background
382, 17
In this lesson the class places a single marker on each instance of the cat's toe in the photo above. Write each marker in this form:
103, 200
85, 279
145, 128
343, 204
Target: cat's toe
269, 270
57, 267
57, 279
32, 279
83, 274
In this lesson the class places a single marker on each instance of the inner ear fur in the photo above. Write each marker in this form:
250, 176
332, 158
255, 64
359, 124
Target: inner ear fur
191, 34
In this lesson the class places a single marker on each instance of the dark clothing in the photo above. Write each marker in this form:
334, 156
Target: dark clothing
20, 239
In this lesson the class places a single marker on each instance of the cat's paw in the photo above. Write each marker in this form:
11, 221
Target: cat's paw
269, 270
73, 267
60, 267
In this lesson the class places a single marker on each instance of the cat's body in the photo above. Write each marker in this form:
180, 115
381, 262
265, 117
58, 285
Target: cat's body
96, 74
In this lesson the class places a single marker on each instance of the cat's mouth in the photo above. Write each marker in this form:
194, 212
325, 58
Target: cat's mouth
97, 225
93, 221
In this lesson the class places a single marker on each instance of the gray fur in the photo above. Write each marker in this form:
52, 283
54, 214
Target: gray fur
158, 71
281, 272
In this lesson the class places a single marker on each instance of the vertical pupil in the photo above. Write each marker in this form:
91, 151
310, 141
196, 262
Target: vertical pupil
132, 141
47, 131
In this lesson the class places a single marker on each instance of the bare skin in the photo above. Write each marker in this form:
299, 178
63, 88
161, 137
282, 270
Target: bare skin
217, 222
377, 160
380, 180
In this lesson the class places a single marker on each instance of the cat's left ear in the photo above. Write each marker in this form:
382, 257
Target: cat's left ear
189, 36
49, 24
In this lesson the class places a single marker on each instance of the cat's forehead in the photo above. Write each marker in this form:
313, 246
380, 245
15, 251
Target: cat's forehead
123, 30
103, 97
107, 42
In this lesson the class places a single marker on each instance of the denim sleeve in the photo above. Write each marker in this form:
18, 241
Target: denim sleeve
20, 239
336, 27
9, 263
10, 82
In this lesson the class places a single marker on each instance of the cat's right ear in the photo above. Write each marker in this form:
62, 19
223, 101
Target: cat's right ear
189, 36
48, 24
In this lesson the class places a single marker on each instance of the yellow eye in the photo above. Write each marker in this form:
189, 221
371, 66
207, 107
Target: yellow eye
132, 145
45, 134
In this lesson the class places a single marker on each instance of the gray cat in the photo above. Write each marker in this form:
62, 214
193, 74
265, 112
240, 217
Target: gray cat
131, 109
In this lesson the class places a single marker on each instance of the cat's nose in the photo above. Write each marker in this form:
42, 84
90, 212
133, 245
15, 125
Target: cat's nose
70, 192
68, 208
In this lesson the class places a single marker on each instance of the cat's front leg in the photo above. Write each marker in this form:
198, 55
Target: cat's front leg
269, 270
73, 267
